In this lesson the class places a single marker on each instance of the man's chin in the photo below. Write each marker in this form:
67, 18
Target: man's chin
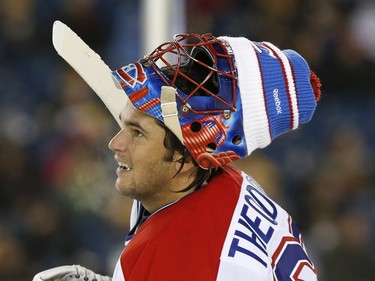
123, 190
119, 186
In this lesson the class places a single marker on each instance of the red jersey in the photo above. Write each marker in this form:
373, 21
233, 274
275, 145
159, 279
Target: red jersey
227, 230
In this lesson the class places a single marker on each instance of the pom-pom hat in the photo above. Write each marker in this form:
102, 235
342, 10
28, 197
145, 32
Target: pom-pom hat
259, 93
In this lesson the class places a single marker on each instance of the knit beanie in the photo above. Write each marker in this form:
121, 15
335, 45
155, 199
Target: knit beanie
278, 90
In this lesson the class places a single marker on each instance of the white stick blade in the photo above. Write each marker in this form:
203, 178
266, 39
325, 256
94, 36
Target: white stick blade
90, 67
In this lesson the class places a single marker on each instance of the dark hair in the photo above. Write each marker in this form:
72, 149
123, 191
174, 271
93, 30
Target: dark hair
174, 145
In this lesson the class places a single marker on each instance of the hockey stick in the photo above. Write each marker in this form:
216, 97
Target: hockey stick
90, 67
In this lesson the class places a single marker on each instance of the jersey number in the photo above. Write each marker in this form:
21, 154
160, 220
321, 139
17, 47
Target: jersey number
291, 263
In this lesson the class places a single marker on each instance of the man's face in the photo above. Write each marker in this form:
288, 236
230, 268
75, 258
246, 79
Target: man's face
143, 171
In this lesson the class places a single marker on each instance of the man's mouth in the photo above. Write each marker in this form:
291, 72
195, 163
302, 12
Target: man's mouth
124, 166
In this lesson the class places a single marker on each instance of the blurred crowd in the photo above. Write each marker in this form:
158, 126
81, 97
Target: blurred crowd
58, 204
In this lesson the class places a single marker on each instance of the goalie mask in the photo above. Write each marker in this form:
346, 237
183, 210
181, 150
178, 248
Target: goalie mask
222, 97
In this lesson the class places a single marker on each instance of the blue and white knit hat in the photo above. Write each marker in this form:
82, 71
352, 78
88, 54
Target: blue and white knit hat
278, 91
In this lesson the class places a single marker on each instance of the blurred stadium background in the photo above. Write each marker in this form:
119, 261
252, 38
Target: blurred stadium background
58, 204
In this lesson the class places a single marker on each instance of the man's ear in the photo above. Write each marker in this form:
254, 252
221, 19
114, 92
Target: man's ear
183, 163
186, 171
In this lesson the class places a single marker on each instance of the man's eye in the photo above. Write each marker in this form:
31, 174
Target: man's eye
138, 133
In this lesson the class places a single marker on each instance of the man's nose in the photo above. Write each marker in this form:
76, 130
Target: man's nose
118, 142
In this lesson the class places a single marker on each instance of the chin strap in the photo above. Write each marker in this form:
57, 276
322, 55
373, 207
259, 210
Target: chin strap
69, 273
169, 111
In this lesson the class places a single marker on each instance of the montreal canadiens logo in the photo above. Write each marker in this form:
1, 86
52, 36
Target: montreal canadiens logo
132, 75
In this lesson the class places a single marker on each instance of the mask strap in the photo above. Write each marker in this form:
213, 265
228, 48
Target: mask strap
169, 111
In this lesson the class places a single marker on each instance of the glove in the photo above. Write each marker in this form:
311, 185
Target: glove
69, 273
